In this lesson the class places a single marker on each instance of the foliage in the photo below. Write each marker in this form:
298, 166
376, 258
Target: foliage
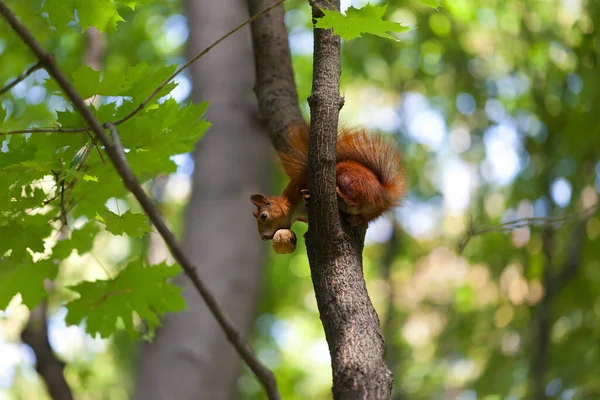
59, 185
136, 290
494, 104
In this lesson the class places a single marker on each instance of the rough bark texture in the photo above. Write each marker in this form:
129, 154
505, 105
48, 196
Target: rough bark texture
334, 249
275, 87
190, 357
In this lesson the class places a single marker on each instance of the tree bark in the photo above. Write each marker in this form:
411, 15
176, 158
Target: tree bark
334, 248
190, 357
275, 87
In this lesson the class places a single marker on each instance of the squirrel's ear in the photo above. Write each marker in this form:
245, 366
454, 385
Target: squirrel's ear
258, 199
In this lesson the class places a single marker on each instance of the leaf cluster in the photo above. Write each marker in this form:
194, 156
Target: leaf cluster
58, 184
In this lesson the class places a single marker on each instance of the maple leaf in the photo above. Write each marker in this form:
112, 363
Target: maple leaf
136, 290
101, 14
358, 21
134, 225
25, 277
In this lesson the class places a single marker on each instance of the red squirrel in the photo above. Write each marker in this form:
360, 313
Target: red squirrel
370, 180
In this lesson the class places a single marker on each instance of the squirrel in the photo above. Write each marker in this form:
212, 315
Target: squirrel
369, 174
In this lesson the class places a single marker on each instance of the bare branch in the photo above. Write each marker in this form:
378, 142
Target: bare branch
472, 231
21, 77
45, 130
117, 156
50, 368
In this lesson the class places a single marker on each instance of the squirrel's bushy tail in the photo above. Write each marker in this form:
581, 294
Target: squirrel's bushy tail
376, 152
379, 154
295, 158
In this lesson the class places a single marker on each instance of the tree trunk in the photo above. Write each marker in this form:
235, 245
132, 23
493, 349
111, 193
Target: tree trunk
334, 249
190, 357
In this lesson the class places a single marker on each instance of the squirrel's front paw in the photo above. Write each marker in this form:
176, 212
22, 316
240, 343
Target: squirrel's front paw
305, 196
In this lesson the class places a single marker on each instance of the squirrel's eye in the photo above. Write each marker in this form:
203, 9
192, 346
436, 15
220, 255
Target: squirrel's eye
263, 217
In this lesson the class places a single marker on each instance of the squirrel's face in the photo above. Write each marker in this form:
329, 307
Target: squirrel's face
270, 215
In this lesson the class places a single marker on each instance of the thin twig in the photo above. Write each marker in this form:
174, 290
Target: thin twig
45, 130
472, 231
193, 60
117, 156
21, 77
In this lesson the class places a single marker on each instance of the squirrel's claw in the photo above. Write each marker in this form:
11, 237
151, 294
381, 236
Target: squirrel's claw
305, 196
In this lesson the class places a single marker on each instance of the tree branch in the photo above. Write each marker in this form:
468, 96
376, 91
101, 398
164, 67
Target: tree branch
117, 156
45, 130
48, 366
473, 231
275, 87
334, 249
21, 77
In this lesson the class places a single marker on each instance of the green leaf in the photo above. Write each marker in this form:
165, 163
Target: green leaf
71, 119
90, 178
101, 14
137, 289
81, 240
24, 233
431, 3
24, 277
60, 12
133, 3
137, 81
166, 130
358, 21
86, 81
134, 225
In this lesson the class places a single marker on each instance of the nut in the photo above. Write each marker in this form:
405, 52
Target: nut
284, 241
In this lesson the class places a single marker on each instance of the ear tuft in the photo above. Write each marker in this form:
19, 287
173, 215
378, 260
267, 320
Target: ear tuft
258, 199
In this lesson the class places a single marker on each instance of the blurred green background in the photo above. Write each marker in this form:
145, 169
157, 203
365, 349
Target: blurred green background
495, 105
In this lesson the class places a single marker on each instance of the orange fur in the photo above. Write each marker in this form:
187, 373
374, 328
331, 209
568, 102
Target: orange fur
370, 179
355, 148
